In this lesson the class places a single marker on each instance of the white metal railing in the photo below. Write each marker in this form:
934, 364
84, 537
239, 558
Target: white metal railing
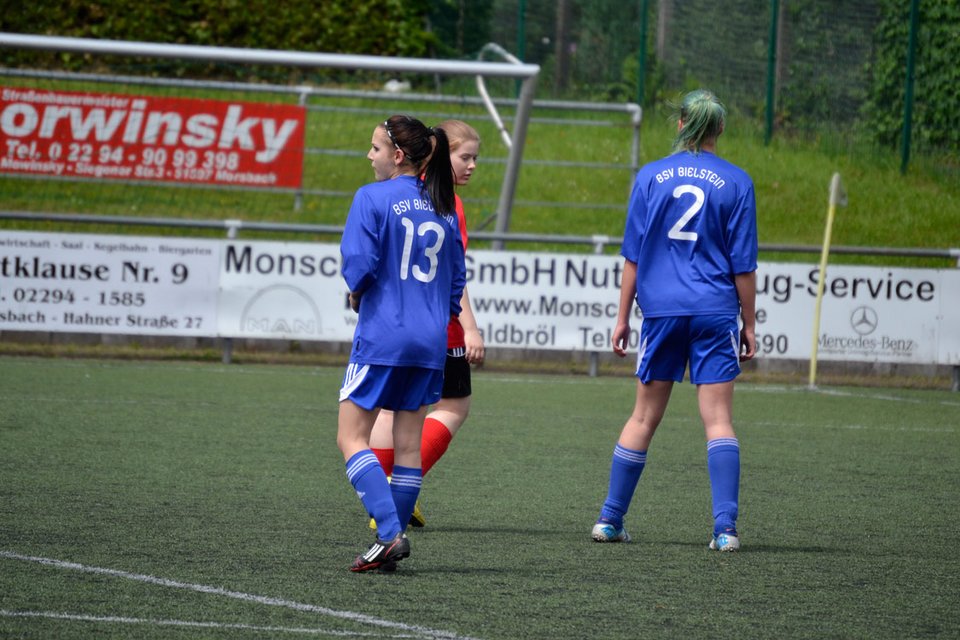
599, 242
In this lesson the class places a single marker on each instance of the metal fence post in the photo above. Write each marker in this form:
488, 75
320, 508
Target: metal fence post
956, 368
642, 60
771, 69
599, 242
636, 119
908, 88
298, 196
233, 228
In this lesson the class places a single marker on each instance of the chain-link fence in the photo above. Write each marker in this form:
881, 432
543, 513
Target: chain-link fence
824, 70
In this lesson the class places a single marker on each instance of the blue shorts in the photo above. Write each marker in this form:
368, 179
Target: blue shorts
372, 386
711, 345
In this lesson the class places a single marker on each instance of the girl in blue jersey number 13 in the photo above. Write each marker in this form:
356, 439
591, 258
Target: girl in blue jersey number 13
690, 261
464, 342
403, 263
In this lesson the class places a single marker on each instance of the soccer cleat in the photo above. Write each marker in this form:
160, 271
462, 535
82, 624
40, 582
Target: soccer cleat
726, 541
606, 532
383, 555
417, 519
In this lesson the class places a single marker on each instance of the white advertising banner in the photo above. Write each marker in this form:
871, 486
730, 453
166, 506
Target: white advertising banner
546, 300
869, 314
285, 290
82, 283
872, 314
949, 351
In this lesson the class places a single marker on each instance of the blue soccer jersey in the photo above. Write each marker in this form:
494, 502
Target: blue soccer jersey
408, 264
691, 226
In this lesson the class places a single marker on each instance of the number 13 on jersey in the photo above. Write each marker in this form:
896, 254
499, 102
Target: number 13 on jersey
430, 252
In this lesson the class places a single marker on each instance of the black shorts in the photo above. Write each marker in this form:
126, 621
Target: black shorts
456, 374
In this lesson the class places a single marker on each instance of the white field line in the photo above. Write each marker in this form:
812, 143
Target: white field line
200, 367
741, 388
352, 616
865, 395
75, 617
854, 427
883, 396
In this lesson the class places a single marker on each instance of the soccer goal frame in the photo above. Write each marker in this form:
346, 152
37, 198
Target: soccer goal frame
525, 74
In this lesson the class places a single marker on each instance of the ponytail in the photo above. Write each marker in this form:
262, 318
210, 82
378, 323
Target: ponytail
702, 116
438, 175
428, 151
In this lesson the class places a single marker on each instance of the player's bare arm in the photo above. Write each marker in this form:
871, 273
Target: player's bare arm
471, 333
628, 291
355, 300
746, 284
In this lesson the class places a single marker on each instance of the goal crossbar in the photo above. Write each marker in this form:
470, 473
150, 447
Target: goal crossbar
266, 56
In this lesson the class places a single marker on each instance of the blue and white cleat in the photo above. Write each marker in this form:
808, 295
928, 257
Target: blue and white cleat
606, 532
725, 541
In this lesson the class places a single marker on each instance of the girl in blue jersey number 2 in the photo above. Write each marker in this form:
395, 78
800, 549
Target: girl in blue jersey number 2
403, 263
690, 261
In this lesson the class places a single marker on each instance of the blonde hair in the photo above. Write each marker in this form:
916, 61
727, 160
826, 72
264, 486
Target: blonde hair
458, 132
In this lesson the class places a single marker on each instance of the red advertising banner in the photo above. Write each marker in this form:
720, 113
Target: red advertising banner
127, 137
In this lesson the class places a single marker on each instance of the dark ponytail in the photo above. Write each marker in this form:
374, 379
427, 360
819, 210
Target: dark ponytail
438, 175
428, 151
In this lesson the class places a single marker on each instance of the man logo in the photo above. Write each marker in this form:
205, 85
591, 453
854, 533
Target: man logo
281, 311
864, 320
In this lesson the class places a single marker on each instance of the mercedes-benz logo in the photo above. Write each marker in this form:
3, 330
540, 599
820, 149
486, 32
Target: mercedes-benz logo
864, 320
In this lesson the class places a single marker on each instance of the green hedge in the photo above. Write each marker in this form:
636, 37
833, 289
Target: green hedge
936, 109
377, 27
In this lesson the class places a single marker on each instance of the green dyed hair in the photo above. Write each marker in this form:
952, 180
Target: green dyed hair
703, 116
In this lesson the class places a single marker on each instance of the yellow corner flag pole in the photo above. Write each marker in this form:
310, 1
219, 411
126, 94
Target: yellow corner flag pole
837, 196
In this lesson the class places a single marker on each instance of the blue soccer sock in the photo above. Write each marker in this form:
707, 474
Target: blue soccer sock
625, 470
405, 485
370, 482
723, 463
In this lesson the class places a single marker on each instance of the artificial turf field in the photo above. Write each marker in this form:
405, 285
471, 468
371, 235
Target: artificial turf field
182, 500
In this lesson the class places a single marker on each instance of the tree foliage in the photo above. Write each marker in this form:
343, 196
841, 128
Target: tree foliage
375, 27
936, 107
460, 27
818, 85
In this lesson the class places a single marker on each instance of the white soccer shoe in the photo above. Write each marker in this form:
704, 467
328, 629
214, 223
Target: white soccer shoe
603, 532
725, 542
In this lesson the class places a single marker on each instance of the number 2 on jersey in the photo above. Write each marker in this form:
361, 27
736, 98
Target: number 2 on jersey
676, 232
430, 252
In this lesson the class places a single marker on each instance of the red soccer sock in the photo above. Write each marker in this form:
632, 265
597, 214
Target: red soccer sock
385, 456
436, 438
